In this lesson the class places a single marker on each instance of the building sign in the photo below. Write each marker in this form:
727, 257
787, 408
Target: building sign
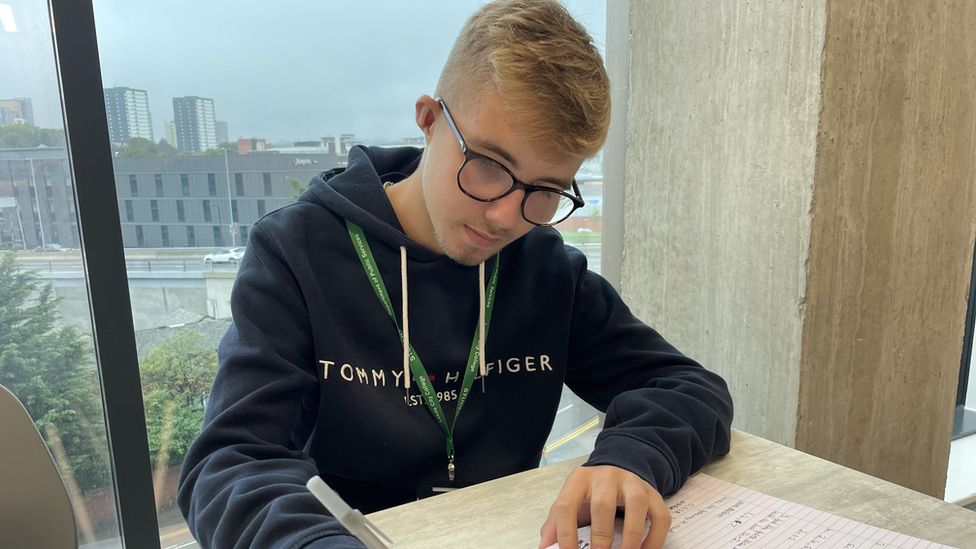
304, 162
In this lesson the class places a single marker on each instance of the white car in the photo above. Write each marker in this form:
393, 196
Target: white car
225, 255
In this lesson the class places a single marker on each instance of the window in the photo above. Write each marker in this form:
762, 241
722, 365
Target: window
159, 184
47, 185
115, 22
50, 207
164, 233
180, 214
233, 209
133, 186
154, 206
239, 183
54, 234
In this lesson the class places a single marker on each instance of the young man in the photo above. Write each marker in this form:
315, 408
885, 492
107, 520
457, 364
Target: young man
385, 282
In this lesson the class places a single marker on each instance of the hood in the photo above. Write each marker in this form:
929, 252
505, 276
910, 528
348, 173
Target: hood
356, 193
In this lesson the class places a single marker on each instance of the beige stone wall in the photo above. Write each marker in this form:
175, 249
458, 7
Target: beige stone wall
801, 186
892, 238
721, 140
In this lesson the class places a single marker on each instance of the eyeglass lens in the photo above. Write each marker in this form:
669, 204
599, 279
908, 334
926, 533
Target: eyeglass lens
485, 179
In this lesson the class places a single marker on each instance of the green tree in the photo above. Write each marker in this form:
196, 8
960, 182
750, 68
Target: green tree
179, 370
51, 371
595, 215
139, 146
230, 146
165, 148
295, 184
23, 136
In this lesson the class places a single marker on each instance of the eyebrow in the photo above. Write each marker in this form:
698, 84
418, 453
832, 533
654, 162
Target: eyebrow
482, 144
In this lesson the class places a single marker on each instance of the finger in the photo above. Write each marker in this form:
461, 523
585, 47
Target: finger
660, 517
636, 503
603, 510
564, 511
548, 531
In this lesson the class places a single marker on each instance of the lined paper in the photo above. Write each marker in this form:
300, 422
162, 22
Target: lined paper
708, 513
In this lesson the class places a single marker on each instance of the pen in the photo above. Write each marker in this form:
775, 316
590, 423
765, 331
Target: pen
354, 521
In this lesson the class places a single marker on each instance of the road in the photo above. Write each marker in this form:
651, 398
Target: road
193, 263
140, 265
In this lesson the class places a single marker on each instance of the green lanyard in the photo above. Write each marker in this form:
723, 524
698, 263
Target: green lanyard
416, 367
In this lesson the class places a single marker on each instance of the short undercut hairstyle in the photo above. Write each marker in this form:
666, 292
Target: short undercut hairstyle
546, 69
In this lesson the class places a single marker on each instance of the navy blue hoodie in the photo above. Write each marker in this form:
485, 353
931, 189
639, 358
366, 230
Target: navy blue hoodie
310, 379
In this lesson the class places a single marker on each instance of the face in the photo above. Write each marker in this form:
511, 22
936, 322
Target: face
469, 231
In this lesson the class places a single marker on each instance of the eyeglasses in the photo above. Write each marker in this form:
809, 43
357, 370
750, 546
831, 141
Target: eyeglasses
486, 180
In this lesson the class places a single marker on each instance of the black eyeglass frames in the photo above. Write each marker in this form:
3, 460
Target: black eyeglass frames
484, 179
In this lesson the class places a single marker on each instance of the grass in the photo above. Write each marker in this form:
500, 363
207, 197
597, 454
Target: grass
573, 237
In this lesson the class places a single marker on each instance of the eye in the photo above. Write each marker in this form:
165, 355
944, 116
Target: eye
488, 164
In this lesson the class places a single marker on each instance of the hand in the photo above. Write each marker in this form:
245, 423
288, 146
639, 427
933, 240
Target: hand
592, 495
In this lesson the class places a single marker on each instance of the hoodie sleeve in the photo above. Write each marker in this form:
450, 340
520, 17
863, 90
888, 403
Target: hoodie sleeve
666, 414
243, 483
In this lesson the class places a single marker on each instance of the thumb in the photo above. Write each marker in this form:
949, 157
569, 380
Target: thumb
548, 532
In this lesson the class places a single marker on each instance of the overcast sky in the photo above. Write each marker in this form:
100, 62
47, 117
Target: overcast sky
283, 71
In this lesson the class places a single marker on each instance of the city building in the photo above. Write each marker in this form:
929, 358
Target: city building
187, 201
128, 114
18, 111
37, 202
174, 201
196, 123
253, 144
169, 129
337, 145
222, 132
340, 144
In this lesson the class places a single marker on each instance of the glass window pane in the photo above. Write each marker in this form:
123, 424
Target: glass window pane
46, 353
186, 102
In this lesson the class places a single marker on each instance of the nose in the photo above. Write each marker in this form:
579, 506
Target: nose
506, 212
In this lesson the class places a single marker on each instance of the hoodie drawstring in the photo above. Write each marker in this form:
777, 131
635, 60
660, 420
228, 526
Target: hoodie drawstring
481, 323
404, 308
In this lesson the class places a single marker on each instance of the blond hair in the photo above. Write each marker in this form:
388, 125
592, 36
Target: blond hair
545, 68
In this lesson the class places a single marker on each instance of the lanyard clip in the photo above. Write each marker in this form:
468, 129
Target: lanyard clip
450, 468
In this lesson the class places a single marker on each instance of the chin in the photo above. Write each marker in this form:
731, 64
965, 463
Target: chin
469, 257
463, 252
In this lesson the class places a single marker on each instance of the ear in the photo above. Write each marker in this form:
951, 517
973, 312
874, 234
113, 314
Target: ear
426, 110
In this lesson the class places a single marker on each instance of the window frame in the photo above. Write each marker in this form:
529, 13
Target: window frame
100, 233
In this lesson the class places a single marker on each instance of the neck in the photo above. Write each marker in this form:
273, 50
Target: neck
407, 198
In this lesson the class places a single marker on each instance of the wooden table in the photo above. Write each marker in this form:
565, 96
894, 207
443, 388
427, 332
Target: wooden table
508, 512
